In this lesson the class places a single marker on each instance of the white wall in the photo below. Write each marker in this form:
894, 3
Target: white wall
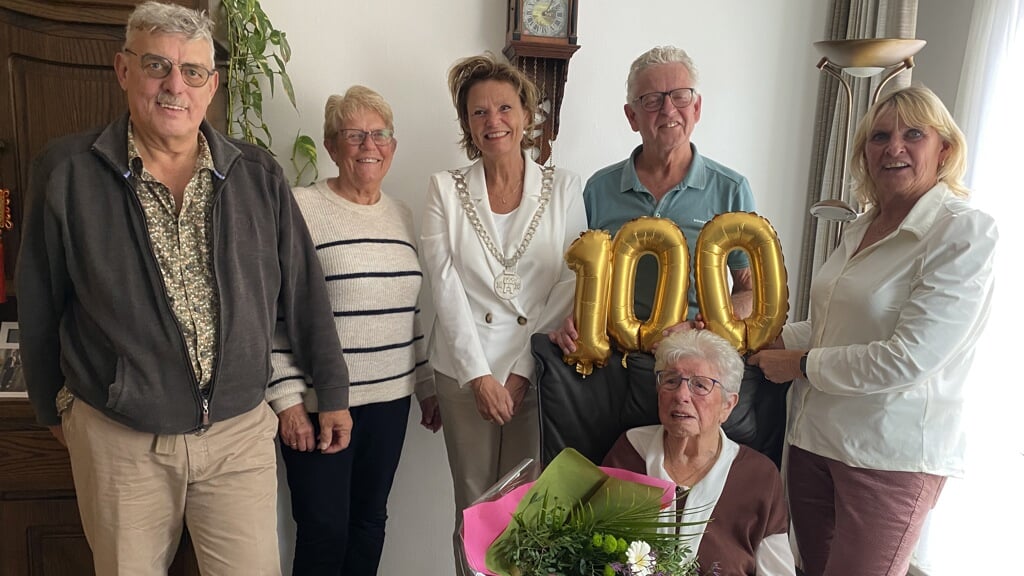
757, 77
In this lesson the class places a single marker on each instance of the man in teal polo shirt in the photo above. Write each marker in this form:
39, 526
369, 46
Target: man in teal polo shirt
664, 177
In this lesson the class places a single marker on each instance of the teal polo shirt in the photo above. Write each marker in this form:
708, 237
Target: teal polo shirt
614, 196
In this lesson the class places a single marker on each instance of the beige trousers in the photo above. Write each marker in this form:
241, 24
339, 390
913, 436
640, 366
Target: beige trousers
136, 489
481, 452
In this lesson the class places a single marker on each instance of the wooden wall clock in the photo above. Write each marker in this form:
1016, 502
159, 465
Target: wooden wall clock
540, 39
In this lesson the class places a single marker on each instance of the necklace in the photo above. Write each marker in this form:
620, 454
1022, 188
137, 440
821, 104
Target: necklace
507, 284
699, 473
503, 199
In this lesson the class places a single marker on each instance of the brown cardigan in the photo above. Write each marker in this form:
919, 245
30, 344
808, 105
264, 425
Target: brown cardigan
751, 507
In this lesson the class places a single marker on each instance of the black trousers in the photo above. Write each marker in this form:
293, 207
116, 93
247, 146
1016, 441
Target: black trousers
340, 501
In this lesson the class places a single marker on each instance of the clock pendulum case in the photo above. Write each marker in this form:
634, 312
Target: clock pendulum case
540, 39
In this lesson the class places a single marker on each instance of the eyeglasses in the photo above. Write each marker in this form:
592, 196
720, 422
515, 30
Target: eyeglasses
159, 67
357, 137
699, 385
681, 98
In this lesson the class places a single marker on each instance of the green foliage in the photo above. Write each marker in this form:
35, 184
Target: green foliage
549, 537
304, 156
258, 51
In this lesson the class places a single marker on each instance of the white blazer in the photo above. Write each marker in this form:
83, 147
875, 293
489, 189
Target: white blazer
475, 332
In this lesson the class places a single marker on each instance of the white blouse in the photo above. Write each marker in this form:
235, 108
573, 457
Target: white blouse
891, 337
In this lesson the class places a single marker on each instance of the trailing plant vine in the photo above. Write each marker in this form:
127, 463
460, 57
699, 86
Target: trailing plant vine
258, 51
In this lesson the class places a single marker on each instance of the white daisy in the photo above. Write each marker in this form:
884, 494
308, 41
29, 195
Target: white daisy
639, 559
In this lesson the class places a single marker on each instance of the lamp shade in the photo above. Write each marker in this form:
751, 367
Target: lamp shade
833, 210
869, 52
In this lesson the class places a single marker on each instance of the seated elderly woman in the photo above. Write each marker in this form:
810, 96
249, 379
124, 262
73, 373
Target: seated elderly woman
698, 380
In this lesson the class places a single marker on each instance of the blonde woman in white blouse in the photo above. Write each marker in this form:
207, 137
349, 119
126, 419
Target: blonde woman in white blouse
880, 369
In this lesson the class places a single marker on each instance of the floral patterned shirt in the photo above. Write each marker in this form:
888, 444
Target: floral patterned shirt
180, 239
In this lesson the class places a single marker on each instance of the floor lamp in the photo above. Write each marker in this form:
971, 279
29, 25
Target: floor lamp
857, 58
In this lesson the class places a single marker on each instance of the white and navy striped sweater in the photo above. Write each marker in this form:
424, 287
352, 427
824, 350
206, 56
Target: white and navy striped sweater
370, 263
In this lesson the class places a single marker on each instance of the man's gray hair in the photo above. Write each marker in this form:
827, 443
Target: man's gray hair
160, 18
660, 55
707, 346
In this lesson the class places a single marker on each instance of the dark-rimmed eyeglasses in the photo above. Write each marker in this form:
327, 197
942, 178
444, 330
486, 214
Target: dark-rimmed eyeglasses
158, 67
681, 98
356, 137
699, 385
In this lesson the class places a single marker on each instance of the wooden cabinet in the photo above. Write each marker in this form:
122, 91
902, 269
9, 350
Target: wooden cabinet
56, 78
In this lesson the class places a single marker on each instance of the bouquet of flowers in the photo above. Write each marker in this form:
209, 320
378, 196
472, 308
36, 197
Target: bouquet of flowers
580, 520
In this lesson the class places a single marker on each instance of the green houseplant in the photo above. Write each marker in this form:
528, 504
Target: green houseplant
258, 53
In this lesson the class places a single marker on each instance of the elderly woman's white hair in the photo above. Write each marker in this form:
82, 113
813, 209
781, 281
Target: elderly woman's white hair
654, 57
707, 346
160, 18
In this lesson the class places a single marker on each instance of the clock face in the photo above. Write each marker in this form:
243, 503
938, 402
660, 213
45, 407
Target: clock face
545, 17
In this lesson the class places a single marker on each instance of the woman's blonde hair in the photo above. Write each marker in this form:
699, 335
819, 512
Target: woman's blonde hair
919, 107
467, 72
356, 99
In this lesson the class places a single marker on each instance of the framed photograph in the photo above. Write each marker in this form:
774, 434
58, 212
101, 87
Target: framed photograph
12, 380
9, 335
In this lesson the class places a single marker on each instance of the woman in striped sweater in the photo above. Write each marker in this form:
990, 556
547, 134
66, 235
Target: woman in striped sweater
367, 248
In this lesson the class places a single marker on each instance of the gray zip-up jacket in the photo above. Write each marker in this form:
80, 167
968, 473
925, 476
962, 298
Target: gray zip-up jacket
92, 307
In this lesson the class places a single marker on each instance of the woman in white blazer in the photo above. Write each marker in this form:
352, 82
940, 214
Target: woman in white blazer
494, 235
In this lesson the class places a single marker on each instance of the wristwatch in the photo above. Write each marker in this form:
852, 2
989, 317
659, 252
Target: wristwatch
803, 364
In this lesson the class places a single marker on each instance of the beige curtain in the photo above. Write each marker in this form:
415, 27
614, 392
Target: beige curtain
846, 19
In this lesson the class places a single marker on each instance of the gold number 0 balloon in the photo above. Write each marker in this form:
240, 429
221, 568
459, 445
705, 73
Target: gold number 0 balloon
662, 238
755, 235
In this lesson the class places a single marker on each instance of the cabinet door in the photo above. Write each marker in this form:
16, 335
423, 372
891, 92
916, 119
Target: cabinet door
55, 79
43, 537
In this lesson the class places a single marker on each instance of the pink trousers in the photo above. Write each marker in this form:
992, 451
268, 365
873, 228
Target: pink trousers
855, 521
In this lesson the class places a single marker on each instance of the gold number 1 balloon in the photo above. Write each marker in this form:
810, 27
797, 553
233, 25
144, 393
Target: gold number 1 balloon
590, 257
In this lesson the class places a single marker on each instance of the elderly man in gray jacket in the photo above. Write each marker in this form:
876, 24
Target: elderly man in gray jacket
157, 256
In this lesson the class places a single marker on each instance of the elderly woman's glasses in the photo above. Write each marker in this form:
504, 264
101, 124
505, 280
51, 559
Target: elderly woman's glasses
357, 137
699, 385
159, 67
681, 98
